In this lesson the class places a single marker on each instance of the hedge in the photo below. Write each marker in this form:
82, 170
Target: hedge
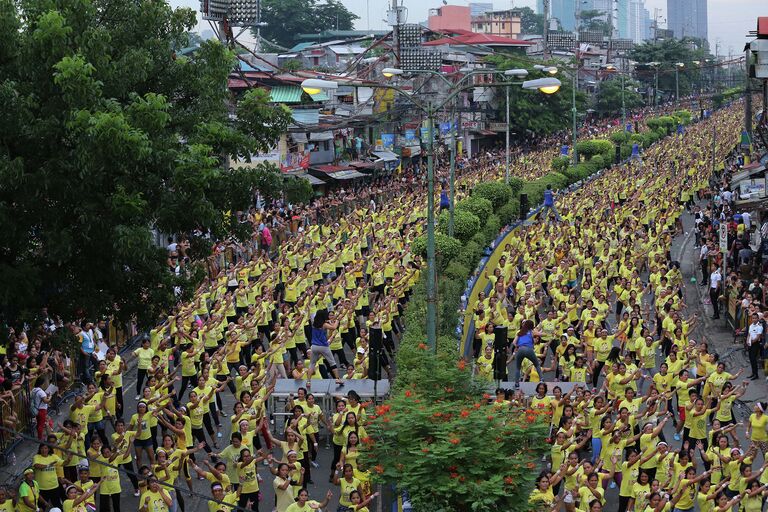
509, 212
477, 206
497, 192
465, 224
589, 148
446, 248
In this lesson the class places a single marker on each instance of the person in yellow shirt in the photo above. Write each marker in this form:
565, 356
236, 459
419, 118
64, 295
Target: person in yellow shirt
757, 429
144, 355
155, 498
46, 465
77, 499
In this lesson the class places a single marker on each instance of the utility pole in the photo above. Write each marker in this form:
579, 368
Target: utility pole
395, 30
546, 28
748, 97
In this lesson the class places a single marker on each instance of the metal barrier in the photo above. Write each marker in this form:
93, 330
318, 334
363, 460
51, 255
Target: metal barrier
14, 414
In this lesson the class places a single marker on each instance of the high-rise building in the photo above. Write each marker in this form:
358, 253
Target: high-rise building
479, 8
687, 18
639, 21
562, 10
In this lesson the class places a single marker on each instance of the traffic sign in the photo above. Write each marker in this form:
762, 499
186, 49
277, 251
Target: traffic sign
723, 236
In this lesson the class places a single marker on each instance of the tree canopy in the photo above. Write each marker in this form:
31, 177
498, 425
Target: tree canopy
667, 54
609, 97
531, 23
106, 135
532, 111
286, 19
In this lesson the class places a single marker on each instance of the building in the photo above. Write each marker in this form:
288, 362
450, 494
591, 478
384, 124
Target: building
480, 8
687, 18
499, 23
450, 18
564, 11
640, 22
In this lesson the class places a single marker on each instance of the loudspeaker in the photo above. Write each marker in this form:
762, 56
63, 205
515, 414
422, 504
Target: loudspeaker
618, 154
374, 353
500, 344
524, 207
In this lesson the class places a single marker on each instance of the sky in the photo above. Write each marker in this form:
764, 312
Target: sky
729, 20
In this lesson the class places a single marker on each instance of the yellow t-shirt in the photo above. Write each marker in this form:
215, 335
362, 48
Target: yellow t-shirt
46, 478
247, 476
145, 357
758, 426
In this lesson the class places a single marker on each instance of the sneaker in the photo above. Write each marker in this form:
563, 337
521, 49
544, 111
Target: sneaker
137, 397
219, 434
136, 493
677, 436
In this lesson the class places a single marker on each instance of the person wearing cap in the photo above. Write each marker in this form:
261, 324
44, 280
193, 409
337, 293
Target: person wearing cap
29, 493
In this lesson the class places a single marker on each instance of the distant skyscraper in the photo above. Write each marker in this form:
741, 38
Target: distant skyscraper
480, 8
639, 21
563, 10
687, 18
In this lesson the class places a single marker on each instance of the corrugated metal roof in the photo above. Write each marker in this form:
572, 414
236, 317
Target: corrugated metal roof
321, 96
300, 46
285, 94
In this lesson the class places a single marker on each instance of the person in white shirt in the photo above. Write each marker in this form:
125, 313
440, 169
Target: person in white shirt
747, 220
703, 259
754, 343
714, 290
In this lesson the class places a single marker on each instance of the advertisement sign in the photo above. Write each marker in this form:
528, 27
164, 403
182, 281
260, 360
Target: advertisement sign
498, 127
410, 135
388, 141
723, 236
424, 134
752, 189
470, 125
445, 128
295, 161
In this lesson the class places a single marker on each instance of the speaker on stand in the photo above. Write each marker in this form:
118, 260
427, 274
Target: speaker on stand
500, 344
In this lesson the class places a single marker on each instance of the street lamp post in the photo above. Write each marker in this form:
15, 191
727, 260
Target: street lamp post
552, 70
314, 86
678, 66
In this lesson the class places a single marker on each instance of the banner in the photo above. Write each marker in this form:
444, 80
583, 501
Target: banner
388, 141
410, 135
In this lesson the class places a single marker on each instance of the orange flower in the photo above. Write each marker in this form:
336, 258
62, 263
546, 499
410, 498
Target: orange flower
465, 413
531, 465
455, 440
486, 396
438, 414
449, 390
461, 365
509, 480
425, 450
490, 417
423, 346
477, 405
454, 475
408, 393
378, 468
530, 418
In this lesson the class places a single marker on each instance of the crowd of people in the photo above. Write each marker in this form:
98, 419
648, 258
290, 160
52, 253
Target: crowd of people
305, 311
596, 300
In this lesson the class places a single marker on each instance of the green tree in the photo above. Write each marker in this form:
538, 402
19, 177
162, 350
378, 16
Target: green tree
108, 137
531, 23
592, 19
286, 19
609, 97
533, 111
668, 53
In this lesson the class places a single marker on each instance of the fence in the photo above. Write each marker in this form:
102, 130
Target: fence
15, 405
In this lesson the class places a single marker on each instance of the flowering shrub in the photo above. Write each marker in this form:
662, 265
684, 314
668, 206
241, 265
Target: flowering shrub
439, 438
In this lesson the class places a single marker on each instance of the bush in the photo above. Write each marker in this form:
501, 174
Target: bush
465, 224
516, 185
470, 254
509, 212
477, 206
683, 116
597, 162
497, 192
456, 270
619, 137
446, 248
480, 240
492, 227
590, 148
561, 163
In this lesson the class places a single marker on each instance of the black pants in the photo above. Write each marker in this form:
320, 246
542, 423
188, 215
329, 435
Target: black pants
713, 295
52, 496
336, 457
128, 467
120, 403
596, 374
307, 470
754, 355
185, 381
623, 503
245, 497
104, 500
142, 374
198, 434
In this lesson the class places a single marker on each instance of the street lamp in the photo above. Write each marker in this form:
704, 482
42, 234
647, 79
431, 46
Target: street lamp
546, 85
613, 69
655, 66
575, 129
514, 73
678, 67
391, 72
